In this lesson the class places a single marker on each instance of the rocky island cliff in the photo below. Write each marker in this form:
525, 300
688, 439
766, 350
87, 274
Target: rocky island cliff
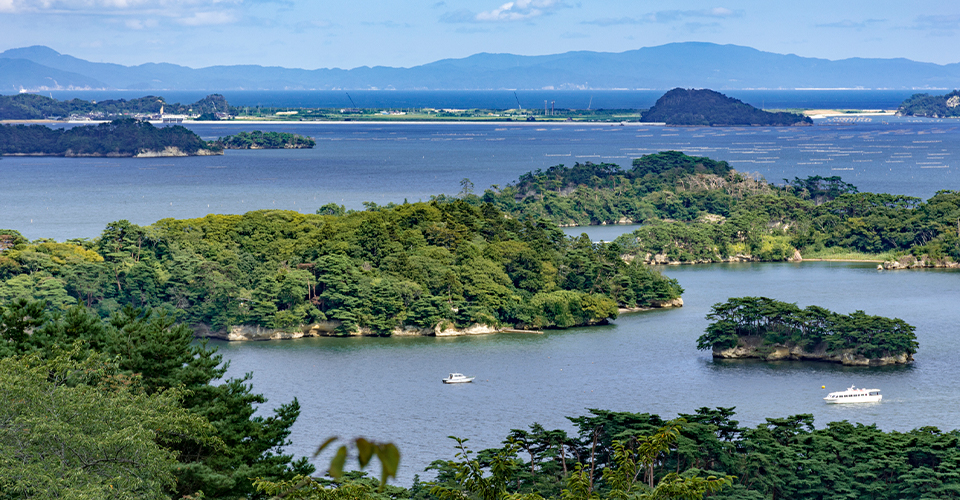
754, 348
334, 328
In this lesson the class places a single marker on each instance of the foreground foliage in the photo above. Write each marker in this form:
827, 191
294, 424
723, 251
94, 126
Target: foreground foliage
84, 428
618, 455
812, 328
140, 381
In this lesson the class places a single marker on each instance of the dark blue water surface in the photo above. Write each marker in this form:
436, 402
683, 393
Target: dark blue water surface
505, 99
356, 162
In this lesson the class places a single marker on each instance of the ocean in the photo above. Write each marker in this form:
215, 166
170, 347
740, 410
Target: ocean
63, 198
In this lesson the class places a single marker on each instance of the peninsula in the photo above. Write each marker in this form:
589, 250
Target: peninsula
440, 268
698, 210
25, 106
930, 106
759, 327
126, 137
709, 108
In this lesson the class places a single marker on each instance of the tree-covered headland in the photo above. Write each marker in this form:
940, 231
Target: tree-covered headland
414, 266
694, 209
123, 137
939, 106
759, 327
27, 106
704, 107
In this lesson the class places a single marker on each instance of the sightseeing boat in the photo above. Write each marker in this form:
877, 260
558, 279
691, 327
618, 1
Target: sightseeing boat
457, 378
854, 395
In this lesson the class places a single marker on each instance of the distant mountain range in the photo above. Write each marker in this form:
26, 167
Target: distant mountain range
688, 64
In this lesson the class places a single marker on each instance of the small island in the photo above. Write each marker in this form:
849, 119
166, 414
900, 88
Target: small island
704, 107
266, 140
125, 137
764, 328
930, 106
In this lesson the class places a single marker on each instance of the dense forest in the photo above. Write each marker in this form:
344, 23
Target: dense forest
768, 322
940, 106
711, 109
122, 137
695, 209
419, 265
128, 407
35, 107
266, 140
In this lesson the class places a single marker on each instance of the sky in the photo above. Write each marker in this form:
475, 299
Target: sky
347, 34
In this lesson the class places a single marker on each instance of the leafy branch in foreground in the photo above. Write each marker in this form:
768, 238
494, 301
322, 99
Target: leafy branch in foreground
76, 426
307, 487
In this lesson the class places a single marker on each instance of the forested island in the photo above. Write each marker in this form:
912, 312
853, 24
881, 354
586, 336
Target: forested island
419, 268
25, 106
125, 137
698, 210
266, 140
704, 107
926, 105
759, 327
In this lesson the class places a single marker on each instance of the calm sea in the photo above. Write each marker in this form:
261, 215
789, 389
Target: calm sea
390, 389
64, 198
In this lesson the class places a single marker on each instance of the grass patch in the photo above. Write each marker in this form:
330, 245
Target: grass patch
836, 253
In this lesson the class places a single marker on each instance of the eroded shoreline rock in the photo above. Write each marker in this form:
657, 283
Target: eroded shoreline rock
779, 352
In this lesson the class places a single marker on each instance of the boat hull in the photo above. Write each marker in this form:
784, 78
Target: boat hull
856, 399
461, 381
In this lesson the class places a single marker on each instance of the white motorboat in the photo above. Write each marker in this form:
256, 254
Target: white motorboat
457, 378
854, 395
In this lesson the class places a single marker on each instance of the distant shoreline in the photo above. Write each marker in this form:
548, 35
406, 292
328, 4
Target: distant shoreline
812, 113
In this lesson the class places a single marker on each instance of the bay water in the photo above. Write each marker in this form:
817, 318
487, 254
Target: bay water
390, 388
63, 198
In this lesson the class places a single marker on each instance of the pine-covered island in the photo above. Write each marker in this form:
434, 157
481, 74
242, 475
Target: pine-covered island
768, 329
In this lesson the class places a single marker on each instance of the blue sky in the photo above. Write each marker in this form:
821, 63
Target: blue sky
347, 34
